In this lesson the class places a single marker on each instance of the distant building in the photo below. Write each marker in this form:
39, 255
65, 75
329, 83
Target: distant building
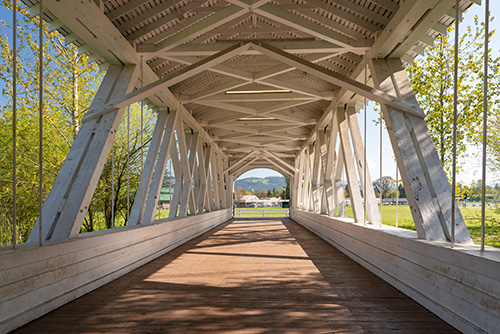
166, 195
252, 201
392, 201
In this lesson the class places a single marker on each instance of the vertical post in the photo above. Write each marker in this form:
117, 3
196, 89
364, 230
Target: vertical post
397, 193
485, 118
455, 99
128, 164
142, 143
14, 123
364, 150
170, 184
113, 185
40, 128
380, 179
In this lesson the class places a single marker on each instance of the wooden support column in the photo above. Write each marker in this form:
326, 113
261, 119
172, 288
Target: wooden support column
200, 187
331, 160
229, 187
425, 181
147, 172
368, 194
339, 186
350, 166
316, 171
308, 180
210, 191
69, 199
174, 202
323, 146
294, 188
328, 174
159, 172
299, 161
222, 186
187, 160
215, 180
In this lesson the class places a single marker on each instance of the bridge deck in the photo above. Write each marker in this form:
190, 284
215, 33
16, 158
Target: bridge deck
246, 276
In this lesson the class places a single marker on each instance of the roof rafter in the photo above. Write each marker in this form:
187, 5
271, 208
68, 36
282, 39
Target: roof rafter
284, 17
284, 163
279, 167
241, 161
167, 81
227, 14
340, 80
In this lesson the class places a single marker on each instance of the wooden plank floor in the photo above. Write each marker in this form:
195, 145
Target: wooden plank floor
246, 276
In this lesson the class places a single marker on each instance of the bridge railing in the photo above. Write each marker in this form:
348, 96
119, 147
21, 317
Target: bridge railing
261, 212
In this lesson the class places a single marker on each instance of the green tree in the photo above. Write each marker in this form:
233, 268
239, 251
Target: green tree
432, 80
70, 82
124, 169
385, 185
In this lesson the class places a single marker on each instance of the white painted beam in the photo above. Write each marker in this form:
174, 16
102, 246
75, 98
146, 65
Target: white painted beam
371, 206
68, 202
350, 167
160, 84
287, 18
330, 76
227, 14
136, 213
425, 181
291, 46
241, 161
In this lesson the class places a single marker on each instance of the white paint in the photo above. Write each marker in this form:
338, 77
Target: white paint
35, 281
460, 285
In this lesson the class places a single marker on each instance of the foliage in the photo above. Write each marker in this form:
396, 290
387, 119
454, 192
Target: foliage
385, 185
432, 80
69, 84
257, 183
103, 208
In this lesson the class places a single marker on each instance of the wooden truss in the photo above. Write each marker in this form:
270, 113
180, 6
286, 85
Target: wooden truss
224, 135
200, 182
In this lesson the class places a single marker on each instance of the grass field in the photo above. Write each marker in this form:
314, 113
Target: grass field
257, 212
472, 217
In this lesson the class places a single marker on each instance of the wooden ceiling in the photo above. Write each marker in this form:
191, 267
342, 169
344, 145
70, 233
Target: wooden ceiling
264, 75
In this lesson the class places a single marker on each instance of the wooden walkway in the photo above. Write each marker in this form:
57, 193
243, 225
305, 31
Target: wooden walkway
246, 276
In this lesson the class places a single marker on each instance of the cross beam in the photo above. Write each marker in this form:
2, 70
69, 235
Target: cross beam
337, 79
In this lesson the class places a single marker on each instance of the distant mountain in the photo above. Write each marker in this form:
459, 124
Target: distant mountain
261, 183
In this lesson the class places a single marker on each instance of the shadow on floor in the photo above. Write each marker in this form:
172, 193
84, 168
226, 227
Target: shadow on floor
245, 276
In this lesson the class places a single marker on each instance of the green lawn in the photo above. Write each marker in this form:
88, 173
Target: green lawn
257, 212
472, 217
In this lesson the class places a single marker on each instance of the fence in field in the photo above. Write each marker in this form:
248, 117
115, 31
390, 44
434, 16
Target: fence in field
261, 212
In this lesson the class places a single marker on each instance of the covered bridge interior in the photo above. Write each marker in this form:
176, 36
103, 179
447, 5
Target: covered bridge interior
243, 84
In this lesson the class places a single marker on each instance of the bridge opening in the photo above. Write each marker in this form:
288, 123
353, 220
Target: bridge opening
261, 192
